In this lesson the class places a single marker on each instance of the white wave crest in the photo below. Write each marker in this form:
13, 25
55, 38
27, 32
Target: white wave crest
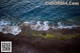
10, 29
25, 24
61, 26
40, 26
44, 26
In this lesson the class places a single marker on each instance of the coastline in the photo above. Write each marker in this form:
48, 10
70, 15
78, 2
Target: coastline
25, 42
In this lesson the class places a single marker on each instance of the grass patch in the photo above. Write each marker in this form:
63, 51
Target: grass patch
23, 34
34, 34
49, 36
54, 36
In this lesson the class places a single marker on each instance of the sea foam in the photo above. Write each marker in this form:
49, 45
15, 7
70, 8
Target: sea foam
39, 26
44, 26
61, 26
10, 29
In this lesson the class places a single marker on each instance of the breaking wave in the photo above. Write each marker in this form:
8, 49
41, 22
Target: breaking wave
40, 26
10, 29
45, 25
4, 23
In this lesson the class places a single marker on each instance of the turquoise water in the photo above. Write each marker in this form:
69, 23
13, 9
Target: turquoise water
15, 12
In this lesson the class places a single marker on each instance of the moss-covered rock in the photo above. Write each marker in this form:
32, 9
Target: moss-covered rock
54, 36
34, 34
23, 34
49, 36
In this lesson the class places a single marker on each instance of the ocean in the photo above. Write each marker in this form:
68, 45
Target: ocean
17, 12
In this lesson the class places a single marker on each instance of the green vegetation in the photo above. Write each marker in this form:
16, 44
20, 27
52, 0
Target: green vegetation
60, 37
49, 36
34, 34
23, 34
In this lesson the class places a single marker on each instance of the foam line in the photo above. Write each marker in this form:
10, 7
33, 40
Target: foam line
10, 29
39, 26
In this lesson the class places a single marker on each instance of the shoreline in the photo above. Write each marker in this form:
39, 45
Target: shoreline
33, 41
37, 27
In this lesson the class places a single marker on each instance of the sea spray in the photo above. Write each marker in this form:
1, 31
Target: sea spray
39, 26
45, 26
61, 26
10, 29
